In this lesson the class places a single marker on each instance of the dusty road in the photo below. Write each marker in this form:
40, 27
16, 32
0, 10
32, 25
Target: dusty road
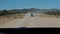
35, 21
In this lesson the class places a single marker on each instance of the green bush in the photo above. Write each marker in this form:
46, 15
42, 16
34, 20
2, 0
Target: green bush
10, 12
4, 12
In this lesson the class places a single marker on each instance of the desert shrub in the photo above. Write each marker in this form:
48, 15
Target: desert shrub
57, 13
4, 12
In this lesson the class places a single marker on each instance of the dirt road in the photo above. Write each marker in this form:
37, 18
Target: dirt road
35, 21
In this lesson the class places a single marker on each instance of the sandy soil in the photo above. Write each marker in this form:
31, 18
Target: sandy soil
36, 21
8, 18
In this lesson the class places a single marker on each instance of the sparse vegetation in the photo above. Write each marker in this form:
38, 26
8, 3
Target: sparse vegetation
5, 12
52, 13
55, 13
6, 16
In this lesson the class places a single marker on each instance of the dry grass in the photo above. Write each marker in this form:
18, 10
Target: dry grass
49, 16
5, 19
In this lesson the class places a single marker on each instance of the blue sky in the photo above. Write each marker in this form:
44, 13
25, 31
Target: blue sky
18, 4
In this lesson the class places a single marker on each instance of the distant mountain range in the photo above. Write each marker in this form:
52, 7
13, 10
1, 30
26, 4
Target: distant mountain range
32, 10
